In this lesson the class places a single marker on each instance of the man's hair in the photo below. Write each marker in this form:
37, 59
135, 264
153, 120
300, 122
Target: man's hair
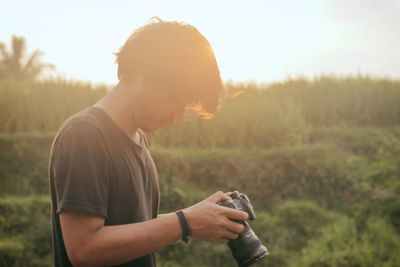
173, 55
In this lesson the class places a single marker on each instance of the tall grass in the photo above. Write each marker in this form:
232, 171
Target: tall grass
262, 116
27, 106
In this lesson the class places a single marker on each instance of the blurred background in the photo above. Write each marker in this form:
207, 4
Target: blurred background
313, 138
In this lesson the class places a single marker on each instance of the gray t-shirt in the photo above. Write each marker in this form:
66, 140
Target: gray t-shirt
95, 167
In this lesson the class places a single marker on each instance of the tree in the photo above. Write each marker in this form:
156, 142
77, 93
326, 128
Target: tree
16, 64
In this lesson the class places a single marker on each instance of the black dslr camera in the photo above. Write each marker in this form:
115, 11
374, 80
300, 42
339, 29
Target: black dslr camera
247, 248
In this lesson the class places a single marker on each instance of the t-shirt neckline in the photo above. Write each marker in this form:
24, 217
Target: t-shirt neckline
107, 117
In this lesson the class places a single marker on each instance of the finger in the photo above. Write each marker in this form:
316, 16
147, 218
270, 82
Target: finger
218, 197
222, 240
234, 214
228, 193
237, 192
230, 235
234, 227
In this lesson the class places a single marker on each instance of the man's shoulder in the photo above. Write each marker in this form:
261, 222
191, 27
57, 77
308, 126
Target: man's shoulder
84, 124
87, 116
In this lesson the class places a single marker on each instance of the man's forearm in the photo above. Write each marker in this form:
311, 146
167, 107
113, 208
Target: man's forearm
111, 245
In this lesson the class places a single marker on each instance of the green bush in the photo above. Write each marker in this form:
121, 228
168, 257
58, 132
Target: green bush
25, 231
342, 244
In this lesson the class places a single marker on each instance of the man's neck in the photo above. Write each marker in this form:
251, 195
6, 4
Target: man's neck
117, 106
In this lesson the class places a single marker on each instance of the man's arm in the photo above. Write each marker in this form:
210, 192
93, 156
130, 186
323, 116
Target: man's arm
90, 243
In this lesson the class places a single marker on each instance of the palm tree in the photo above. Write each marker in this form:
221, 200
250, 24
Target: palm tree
16, 64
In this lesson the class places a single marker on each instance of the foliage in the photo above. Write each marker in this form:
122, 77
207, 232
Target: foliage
262, 116
25, 231
16, 64
42, 106
319, 160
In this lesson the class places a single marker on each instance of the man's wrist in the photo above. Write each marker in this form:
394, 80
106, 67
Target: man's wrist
185, 226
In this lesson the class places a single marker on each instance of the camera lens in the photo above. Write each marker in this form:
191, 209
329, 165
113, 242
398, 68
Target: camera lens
247, 248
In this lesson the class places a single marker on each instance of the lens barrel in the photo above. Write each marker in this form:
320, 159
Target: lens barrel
247, 249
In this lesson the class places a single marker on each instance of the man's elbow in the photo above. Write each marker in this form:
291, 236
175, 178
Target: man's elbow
80, 258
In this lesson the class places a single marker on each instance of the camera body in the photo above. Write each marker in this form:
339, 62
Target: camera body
241, 202
247, 248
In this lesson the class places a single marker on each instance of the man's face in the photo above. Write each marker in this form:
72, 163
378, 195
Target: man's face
160, 108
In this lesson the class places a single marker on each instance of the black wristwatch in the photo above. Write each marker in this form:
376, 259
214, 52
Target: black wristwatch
186, 231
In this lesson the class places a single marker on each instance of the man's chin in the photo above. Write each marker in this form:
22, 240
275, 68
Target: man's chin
153, 128
149, 129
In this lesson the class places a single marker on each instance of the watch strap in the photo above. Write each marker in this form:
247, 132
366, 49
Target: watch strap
186, 232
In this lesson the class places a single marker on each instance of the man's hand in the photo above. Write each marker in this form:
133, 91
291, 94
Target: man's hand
212, 222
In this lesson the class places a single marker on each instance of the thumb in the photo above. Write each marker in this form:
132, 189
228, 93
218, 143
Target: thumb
218, 197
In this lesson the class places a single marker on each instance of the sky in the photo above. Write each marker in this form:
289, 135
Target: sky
258, 41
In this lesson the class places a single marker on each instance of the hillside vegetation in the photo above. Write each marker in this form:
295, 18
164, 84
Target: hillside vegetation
320, 160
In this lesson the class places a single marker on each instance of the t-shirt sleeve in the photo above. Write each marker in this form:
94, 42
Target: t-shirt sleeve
81, 168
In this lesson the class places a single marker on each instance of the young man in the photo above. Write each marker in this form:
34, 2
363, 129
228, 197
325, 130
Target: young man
104, 184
